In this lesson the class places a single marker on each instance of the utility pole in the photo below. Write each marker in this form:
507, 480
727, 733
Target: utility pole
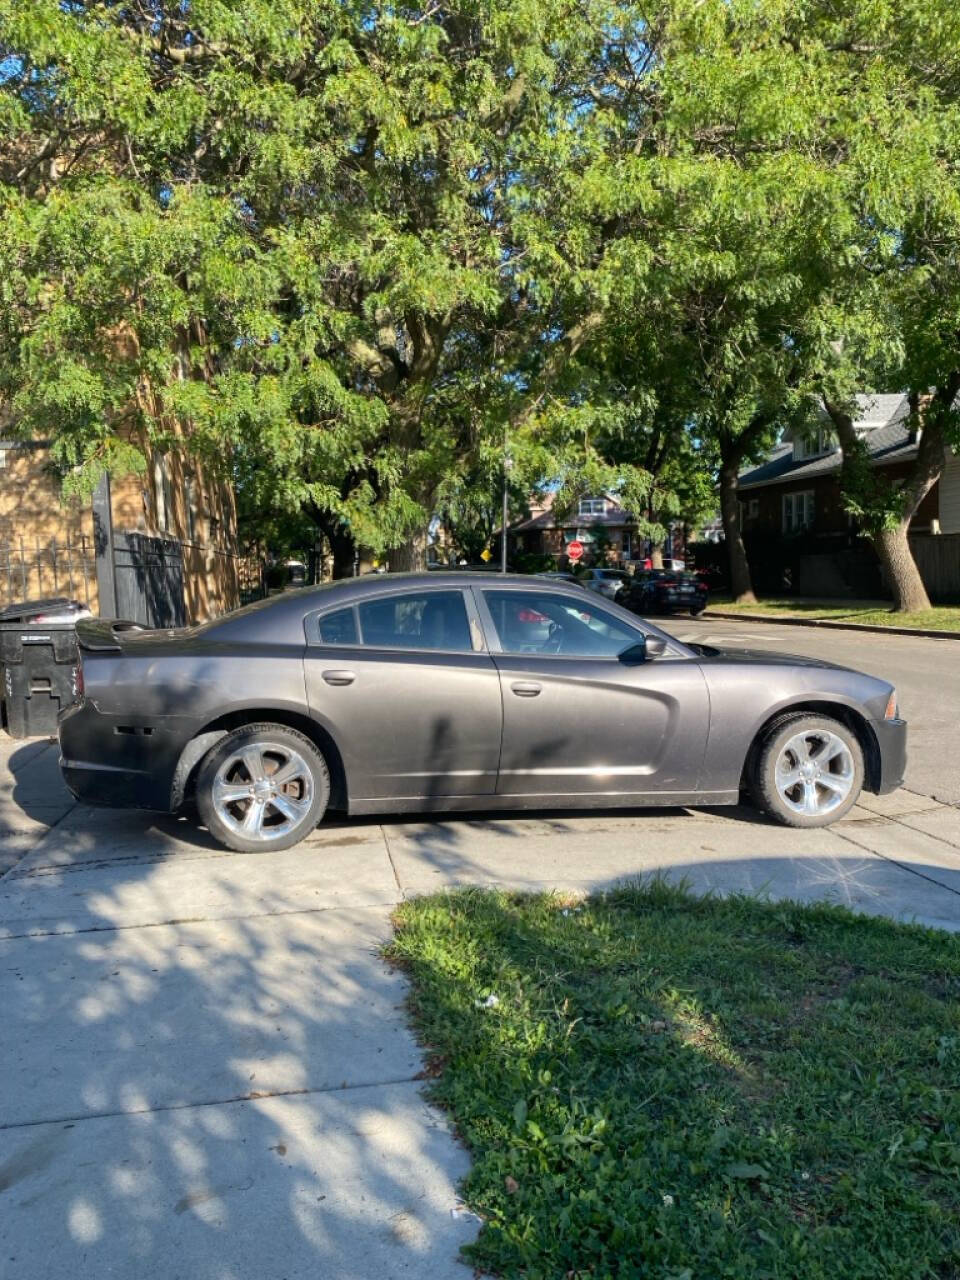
503, 521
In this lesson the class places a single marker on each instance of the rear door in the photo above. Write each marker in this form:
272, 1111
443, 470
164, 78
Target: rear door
405, 686
576, 719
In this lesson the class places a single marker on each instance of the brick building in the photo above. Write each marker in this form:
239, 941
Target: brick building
160, 547
791, 503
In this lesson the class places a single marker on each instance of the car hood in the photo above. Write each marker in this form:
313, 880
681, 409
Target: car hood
744, 657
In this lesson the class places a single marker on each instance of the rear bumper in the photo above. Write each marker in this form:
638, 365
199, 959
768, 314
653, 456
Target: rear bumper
891, 738
105, 763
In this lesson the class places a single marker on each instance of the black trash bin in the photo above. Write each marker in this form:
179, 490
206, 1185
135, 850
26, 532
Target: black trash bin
39, 663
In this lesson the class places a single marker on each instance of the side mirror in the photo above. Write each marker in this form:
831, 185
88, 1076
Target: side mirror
644, 651
635, 654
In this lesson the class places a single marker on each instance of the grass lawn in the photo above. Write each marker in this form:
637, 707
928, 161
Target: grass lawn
688, 1089
876, 613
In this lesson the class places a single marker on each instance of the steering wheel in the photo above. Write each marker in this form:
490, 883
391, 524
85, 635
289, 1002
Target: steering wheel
554, 640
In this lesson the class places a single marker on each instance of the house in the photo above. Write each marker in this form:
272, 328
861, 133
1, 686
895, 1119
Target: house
608, 532
160, 548
793, 497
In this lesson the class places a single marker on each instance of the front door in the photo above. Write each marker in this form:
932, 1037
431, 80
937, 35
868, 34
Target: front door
579, 721
407, 691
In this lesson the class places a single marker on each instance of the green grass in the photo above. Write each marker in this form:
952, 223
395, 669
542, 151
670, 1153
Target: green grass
875, 613
691, 1089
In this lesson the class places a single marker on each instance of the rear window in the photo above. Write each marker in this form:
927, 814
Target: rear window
338, 628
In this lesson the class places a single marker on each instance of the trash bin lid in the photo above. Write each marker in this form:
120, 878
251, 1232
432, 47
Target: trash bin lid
26, 609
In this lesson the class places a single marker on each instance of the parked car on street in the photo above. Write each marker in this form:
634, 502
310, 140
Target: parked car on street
412, 692
606, 582
663, 591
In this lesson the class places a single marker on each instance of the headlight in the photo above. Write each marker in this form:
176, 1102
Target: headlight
893, 711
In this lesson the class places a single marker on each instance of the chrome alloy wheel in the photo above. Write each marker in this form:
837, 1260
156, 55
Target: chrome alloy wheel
815, 772
263, 791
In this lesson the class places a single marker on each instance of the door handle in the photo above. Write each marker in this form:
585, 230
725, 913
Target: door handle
339, 677
526, 688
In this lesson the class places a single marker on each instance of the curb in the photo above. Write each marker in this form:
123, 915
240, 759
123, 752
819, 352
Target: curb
786, 620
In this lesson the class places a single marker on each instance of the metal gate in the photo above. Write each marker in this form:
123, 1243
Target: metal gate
149, 580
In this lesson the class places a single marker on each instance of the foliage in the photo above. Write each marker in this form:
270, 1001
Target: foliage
322, 234
672, 1086
364, 252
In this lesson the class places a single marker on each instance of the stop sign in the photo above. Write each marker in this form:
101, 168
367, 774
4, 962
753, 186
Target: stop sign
574, 550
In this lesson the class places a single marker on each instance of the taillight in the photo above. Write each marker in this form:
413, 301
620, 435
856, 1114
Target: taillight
668, 582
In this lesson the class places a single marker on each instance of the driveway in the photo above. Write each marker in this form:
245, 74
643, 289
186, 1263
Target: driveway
207, 1069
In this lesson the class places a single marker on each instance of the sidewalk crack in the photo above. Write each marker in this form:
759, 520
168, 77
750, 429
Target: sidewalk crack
254, 1096
393, 865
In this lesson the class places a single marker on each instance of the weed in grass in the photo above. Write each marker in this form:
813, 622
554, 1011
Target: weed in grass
669, 1086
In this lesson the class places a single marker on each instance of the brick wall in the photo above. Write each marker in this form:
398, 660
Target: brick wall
830, 517
46, 544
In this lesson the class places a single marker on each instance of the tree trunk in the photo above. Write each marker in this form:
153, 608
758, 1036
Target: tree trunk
741, 583
903, 576
656, 555
411, 557
893, 545
343, 551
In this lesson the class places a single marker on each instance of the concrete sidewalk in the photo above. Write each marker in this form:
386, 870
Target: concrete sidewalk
208, 1070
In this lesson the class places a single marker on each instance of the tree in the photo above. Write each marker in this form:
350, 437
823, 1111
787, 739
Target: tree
314, 232
856, 107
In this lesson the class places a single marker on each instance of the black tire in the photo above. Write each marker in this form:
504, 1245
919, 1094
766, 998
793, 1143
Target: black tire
695, 613
309, 790
763, 781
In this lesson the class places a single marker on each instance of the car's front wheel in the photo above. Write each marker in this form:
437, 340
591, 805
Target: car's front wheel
263, 786
808, 772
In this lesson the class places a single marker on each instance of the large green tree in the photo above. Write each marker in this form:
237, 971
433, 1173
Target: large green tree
316, 231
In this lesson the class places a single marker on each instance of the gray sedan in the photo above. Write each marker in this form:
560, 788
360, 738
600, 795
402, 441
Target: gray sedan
402, 693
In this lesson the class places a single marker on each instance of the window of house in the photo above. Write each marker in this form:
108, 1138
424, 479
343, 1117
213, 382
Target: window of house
3, 458
190, 488
593, 506
798, 511
753, 508
163, 492
812, 446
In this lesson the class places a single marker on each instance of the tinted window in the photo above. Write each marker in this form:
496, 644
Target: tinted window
433, 620
338, 628
528, 622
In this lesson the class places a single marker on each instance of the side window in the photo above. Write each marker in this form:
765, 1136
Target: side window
338, 628
528, 622
433, 620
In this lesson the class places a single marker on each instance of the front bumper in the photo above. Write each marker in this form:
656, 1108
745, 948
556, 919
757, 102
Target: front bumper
117, 765
891, 736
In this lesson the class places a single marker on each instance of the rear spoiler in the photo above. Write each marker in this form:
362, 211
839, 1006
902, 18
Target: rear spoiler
102, 635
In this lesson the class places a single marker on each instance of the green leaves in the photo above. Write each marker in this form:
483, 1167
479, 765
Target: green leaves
620, 236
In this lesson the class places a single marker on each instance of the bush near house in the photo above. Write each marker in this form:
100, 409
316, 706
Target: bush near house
653, 1084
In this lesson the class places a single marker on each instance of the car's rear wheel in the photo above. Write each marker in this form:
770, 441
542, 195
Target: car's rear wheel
263, 786
809, 771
